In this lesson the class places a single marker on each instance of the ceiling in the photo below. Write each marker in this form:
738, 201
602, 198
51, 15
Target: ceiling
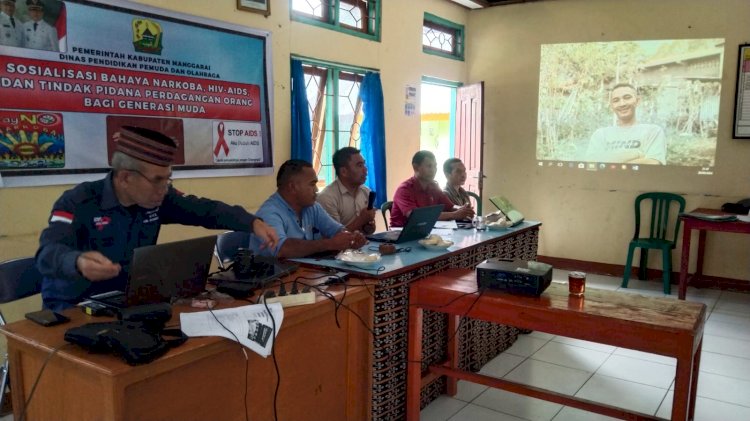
479, 4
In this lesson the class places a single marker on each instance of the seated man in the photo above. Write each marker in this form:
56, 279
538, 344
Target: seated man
346, 198
421, 190
303, 226
94, 227
455, 177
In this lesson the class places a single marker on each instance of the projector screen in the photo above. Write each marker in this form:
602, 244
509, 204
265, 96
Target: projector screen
624, 105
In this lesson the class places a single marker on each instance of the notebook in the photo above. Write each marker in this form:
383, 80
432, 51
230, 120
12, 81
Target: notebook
418, 226
515, 217
161, 272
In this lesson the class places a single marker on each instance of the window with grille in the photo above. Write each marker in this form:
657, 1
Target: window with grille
356, 17
442, 37
335, 113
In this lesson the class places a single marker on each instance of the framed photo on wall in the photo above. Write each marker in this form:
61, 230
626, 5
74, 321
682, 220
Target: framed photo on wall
742, 95
262, 7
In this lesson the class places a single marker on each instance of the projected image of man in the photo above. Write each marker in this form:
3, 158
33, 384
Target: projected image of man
629, 141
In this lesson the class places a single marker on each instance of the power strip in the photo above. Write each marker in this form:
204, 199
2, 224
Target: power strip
291, 300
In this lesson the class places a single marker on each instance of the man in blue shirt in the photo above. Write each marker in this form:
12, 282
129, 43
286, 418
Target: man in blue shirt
94, 227
303, 226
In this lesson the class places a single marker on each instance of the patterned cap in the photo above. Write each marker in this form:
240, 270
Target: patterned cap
34, 4
146, 145
8, 1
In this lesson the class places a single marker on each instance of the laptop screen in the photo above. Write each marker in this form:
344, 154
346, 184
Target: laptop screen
504, 205
163, 271
418, 226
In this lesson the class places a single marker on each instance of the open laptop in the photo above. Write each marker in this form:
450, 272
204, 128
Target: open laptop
418, 226
515, 217
161, 272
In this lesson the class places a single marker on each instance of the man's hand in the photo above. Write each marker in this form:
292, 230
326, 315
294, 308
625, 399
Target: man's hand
95, 266
364, 221
267, 235
464, 212
369, 227
347, 240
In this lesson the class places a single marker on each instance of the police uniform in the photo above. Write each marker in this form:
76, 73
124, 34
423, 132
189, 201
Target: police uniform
11, 31
40, 37
89, 217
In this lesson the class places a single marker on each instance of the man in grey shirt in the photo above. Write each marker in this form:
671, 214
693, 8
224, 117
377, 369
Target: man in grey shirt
628, 142
346, 198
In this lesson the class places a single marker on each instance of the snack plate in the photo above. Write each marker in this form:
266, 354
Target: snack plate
441, 246
358, 260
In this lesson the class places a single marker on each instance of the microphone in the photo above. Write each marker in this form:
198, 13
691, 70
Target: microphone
370, 200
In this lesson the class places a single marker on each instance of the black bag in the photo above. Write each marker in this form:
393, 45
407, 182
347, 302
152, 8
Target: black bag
741, 208
132, 341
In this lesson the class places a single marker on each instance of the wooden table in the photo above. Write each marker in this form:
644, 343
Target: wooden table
480, 341
656, 325
325, 372
690, 224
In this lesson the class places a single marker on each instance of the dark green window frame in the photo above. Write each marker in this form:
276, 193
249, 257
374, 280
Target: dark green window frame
326, 130
331, 19
457, 31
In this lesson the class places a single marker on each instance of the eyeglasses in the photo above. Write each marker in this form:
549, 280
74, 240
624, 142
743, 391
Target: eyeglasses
157, 182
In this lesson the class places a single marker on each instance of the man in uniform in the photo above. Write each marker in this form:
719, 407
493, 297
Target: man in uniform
94, 227
346, 198
11, 32
303, 225
37, 33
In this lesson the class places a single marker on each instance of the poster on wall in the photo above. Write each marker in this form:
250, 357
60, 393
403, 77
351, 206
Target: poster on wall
73, 72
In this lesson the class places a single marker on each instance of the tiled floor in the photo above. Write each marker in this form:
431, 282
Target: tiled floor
622, 377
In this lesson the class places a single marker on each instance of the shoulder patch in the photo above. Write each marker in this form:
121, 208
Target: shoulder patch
61, 216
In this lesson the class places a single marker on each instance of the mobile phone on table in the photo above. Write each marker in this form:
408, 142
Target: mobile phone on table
47, 317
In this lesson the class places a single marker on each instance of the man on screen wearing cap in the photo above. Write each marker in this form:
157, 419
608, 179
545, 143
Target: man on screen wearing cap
11, 32
94, 227
38, 34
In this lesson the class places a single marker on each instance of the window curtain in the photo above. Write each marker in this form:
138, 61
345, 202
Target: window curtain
372, 132
301, 133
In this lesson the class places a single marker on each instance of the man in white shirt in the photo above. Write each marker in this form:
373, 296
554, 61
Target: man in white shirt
37, 33
11, 33
346, 198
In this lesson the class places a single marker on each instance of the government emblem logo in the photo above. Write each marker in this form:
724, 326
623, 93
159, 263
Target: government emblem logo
147, 36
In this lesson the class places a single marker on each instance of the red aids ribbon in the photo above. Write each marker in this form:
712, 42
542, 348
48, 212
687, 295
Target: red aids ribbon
221, 144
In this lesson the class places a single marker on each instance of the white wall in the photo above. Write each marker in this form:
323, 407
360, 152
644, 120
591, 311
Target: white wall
589, 215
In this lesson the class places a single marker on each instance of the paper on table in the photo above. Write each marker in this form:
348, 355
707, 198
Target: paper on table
446, 225
744, 218
250, 324
442, 231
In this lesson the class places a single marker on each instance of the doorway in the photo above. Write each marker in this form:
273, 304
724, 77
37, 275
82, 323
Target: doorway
452, 126
438, 122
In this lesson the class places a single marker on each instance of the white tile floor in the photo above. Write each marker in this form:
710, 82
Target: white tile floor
622, 377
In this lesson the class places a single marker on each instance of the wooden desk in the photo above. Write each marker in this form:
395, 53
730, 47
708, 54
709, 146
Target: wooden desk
656, 325
325, 372
690, 224
480, 341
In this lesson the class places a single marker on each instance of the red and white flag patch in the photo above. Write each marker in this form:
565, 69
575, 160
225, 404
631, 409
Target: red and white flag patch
61, 216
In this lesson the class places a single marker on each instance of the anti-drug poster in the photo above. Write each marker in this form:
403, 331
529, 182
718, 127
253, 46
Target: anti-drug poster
73, 73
